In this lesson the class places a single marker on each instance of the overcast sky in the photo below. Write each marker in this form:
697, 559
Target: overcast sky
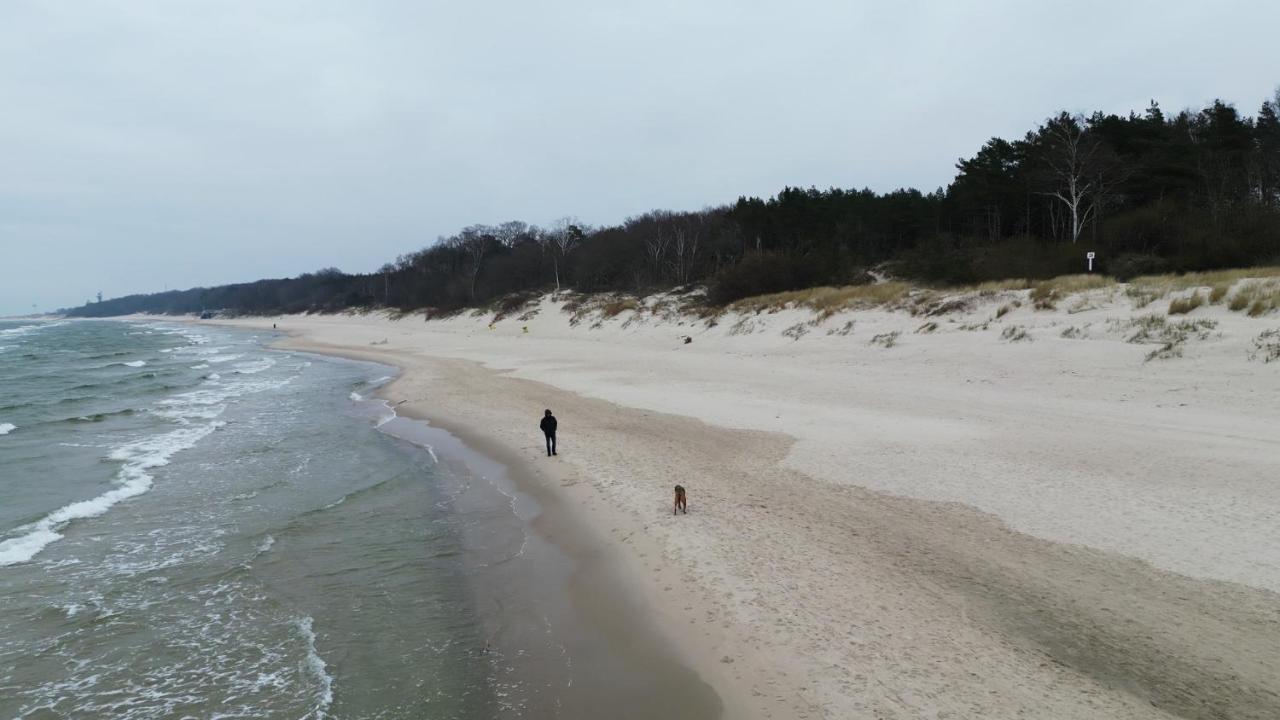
146, 145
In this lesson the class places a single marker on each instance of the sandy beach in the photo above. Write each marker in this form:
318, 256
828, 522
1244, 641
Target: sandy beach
949, 523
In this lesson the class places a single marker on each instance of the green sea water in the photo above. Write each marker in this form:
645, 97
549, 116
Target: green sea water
192, 525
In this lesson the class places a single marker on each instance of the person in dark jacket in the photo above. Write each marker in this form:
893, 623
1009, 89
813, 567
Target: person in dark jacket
548, 426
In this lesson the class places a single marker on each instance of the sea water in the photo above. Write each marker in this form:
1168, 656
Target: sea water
193, 525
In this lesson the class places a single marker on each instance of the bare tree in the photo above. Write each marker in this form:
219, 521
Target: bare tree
386, 271
565, 235
686, 238
657, 240
511, 232
474, 241
1083, 170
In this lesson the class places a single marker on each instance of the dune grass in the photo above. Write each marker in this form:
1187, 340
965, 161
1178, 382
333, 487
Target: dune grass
1256, 297
894, 294
886, 340
1184, 305
1266, 346
619, 306
1070, 284
827, 300
992, 287
1253, 290
1170, 336
1148, 288
1015, 333
1207, 278
1045, 294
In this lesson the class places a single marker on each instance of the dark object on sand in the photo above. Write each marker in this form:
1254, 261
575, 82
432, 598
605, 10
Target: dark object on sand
687, 339
548, 426
680, 503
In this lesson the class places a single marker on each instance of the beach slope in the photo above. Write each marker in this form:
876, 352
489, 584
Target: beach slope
893, 520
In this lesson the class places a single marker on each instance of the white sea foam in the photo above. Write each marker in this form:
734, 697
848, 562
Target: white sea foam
254, 366
267, 543
6, 428
28, 329
135, 363
215, 393
214, 350
190, 335
318, 668
191, 413
131, 480
201, 366
222, 358
356, 397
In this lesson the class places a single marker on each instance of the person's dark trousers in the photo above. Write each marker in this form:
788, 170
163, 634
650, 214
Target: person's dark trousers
551, 443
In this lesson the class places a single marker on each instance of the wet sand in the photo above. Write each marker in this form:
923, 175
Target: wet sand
568, 592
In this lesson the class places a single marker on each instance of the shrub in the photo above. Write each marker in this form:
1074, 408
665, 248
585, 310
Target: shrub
764, 273
1130, 265
512, 304
938, 260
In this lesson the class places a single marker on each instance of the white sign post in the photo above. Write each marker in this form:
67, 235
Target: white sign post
1090, 256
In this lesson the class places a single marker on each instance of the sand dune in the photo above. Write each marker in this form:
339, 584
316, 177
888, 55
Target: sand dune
962, 524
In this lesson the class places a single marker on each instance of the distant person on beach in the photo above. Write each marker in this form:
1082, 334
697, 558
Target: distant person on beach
681, 504
548, 426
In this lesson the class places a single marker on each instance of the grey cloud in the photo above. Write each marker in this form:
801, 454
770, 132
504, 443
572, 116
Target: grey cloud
146, 144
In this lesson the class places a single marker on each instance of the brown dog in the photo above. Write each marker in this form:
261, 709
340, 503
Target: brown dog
680, 504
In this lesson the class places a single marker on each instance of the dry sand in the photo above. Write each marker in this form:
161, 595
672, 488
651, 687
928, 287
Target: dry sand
957, 526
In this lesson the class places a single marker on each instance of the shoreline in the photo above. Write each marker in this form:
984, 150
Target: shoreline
623, 665
797, 596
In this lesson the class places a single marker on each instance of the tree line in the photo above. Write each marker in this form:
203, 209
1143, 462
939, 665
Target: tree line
1148, 192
